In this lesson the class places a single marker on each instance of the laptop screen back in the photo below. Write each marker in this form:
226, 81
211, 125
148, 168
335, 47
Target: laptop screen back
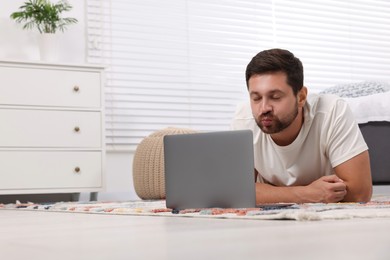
206, 170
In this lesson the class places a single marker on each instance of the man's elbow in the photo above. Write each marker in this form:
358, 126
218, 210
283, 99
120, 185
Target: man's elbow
363, 194
364, 197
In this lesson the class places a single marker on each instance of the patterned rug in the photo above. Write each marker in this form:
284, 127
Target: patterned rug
379, 207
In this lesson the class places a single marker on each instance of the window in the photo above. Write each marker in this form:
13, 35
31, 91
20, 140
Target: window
181, 63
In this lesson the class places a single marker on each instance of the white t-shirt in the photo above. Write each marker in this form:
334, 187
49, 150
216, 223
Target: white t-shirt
329, 136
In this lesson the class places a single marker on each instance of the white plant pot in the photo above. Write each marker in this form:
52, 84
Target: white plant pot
49, 46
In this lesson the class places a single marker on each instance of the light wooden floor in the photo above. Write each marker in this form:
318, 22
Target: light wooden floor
50, 235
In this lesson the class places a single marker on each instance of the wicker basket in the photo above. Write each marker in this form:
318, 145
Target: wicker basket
148, 164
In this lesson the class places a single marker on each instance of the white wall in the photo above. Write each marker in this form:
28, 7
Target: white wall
19, 44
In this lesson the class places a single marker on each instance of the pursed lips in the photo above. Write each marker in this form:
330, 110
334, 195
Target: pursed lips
266, 121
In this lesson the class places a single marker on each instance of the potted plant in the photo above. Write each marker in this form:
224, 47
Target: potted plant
46, 17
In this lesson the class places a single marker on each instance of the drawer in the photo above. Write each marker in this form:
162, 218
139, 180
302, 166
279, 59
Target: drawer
50, 170
49, 87
50, 128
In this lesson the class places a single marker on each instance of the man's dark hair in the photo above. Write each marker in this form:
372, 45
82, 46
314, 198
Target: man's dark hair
275, 60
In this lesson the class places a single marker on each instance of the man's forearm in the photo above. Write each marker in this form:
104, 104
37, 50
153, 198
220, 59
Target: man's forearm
356, 173
326, 189
266, 193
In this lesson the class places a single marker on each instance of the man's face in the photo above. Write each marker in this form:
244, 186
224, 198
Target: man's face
274, 105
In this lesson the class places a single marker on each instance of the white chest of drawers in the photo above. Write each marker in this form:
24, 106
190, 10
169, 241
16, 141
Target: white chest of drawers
51, 128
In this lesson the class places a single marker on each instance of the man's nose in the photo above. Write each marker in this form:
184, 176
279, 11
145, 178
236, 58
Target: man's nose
265, 107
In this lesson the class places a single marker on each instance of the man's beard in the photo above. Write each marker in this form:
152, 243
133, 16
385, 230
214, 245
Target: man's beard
277, 125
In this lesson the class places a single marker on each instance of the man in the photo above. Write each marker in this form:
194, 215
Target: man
307, 148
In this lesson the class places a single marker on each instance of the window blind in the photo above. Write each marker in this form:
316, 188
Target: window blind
337, 41
181, 63
173, 63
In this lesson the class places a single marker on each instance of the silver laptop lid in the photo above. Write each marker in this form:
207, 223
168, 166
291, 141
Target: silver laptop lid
205, 170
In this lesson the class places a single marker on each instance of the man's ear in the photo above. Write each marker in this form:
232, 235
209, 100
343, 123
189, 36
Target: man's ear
302, 95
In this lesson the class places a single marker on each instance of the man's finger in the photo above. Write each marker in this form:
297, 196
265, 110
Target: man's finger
332, 178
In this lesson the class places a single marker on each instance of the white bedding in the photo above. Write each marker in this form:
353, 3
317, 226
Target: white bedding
375, 107
369, 100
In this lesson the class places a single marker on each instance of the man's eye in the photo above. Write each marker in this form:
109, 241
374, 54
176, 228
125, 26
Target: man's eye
275, 97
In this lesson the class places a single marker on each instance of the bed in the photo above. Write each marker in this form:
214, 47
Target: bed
370, 103
377, 136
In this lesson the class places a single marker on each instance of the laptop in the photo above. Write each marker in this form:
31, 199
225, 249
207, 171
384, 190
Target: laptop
209, 170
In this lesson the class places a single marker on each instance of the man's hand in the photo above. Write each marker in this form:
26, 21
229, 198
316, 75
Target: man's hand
327, 189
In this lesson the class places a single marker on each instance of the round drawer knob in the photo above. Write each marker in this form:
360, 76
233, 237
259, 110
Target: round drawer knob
77, 169
76, 88
77, 129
